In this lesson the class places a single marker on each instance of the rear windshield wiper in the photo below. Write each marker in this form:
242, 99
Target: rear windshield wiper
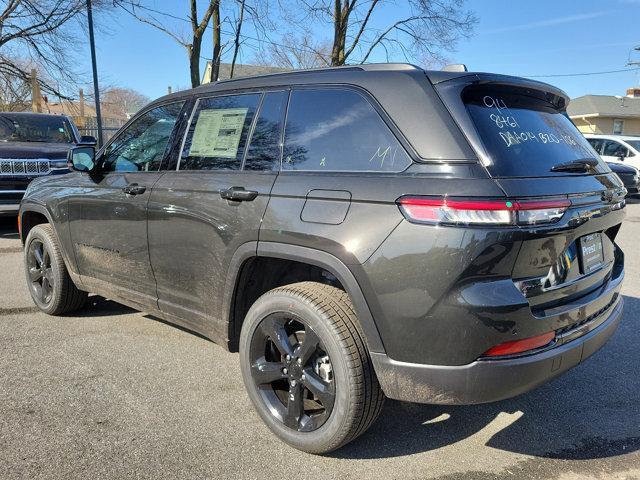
582, 165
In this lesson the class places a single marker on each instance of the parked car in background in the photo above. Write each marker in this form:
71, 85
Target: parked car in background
616, 148
629, 175
32, 145
355, 233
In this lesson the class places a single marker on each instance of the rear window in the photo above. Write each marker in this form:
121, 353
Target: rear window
525, 132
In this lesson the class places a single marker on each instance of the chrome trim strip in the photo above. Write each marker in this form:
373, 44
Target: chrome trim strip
10, 208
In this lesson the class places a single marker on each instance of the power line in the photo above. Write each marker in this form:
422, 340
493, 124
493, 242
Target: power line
584, 74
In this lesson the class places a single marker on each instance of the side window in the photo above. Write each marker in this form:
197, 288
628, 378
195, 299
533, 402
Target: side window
218, 133
614, 149
141, 146
338, 130
264, 147
596, 143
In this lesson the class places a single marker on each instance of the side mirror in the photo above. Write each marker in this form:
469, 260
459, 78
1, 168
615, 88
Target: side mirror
82, 159
88, 140
621, 158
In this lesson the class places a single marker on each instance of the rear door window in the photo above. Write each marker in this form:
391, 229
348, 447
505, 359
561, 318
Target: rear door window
336, 129
525, 132
266, 140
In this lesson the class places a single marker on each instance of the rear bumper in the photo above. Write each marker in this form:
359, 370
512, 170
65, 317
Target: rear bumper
490, 380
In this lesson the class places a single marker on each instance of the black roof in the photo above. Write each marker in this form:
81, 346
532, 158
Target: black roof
344, 73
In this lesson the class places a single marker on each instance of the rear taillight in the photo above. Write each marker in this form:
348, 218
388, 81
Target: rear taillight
450, 211
520, 346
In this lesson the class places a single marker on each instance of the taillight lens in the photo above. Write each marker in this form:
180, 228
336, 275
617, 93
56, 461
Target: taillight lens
520, 346
432, 210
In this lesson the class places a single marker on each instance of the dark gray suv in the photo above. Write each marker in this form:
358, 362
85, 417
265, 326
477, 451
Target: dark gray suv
355, 233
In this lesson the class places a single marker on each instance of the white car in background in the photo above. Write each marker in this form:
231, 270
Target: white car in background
616, 148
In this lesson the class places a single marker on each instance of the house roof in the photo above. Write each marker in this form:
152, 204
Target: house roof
604, 106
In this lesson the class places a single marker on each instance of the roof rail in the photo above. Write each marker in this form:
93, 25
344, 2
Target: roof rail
455, 67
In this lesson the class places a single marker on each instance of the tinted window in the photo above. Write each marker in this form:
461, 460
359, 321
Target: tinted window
264, 148
141, 146
614, 149
337, 130
596, 143
525, 132
35, 128
218, 133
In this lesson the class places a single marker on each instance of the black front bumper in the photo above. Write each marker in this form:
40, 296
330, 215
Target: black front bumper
491, 380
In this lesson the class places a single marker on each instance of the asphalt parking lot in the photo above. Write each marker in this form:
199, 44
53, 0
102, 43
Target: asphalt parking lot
113, 393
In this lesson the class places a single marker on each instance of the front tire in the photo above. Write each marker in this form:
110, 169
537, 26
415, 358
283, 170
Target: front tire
50, 285
306, 367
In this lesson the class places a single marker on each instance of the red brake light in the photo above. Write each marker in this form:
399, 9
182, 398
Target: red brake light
519, 346
482, 212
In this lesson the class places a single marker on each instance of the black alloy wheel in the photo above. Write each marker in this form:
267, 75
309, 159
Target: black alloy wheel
40, 271
306, 367
48, 279
292, 370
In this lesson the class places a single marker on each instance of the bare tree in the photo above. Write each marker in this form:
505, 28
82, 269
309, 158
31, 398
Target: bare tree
40, 34
124, 100
192, 45
296, 52
429, 29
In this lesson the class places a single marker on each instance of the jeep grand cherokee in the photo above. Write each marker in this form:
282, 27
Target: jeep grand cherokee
355, 233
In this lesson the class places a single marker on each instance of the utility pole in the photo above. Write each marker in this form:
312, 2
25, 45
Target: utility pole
96, 90
36, 106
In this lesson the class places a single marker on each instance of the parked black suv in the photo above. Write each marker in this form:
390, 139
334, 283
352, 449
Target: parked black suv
32, 145
438, 237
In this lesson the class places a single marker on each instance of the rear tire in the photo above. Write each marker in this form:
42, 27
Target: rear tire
49, 283
331, 375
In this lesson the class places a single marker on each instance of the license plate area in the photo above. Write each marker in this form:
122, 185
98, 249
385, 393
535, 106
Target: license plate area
591, 252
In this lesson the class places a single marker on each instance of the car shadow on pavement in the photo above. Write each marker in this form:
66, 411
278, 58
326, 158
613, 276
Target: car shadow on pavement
590, 412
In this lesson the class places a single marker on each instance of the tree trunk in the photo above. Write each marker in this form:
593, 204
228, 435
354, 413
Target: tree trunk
340, 24
194, 61
237, 40
215, 62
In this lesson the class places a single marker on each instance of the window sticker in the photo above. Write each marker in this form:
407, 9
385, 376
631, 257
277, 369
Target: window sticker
218, 132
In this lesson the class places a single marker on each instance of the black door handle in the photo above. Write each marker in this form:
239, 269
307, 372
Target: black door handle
134, 189
238, 194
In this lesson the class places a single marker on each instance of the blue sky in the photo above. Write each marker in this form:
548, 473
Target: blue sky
538, 38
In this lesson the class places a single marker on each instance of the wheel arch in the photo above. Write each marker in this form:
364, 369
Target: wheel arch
248, 252
32, 214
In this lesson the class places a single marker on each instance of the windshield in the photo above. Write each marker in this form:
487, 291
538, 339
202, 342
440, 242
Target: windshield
34, 128
634, 143
524, 132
